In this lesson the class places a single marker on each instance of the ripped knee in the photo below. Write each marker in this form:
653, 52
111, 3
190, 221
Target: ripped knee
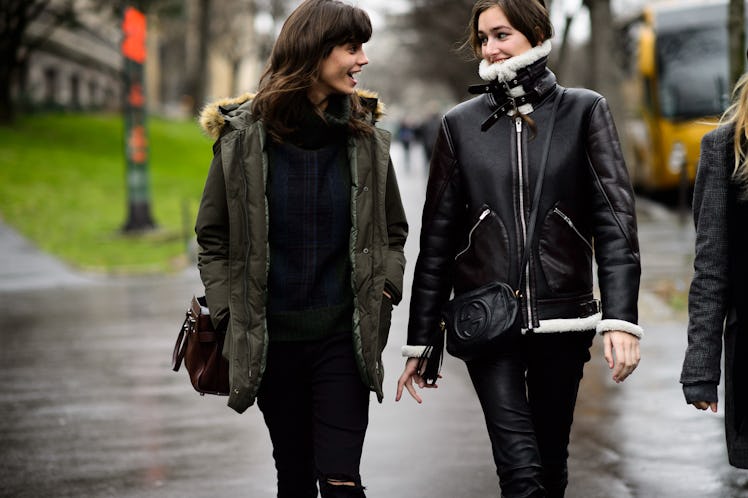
339, 482
341, 485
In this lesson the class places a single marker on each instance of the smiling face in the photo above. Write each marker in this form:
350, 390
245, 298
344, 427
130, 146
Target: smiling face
499, 39
337, 72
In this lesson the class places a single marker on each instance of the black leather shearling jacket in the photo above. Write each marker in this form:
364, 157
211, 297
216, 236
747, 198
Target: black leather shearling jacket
477, 206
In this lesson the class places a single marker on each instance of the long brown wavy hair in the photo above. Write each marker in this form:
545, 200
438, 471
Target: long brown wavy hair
307, 37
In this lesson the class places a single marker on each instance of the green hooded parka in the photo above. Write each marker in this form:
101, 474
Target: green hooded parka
232, 225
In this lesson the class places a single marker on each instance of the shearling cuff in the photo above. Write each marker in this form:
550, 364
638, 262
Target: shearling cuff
568, 324
413, 351
622, 325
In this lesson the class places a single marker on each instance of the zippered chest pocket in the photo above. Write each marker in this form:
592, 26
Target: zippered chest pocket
565, 254
483, 252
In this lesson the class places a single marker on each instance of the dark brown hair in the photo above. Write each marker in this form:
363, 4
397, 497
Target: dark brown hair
529, 17
307, 37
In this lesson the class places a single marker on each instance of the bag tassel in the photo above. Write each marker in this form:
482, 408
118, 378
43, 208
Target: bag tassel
430, 361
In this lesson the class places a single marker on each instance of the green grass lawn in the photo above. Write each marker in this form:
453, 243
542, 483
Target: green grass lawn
62, 185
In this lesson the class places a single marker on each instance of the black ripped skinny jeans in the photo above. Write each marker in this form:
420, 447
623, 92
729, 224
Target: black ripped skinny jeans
528, 396
316, 409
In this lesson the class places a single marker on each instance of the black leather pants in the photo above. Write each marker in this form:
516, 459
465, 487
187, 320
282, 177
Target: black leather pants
528, 396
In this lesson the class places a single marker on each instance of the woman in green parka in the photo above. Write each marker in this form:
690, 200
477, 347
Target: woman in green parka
301, 232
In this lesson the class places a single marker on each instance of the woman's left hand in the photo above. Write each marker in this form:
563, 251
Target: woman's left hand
621, 353
410, 378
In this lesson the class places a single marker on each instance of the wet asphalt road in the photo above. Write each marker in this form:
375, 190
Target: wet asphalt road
91, 408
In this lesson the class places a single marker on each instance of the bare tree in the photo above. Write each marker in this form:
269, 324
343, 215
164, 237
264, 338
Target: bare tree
277, 10
736, 34
606, 49
198, 69
16, 44
562, 57
433, 31
233, 34
600, 44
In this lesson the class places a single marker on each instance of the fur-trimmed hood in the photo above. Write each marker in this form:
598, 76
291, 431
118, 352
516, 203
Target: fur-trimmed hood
236, 112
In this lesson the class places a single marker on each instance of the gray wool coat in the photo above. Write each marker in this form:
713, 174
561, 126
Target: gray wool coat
718, 297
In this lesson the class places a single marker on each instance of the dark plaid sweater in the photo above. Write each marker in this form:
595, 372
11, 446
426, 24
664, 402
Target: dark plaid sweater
309, 190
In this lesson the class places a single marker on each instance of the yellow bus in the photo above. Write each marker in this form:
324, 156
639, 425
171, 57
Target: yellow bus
683, 70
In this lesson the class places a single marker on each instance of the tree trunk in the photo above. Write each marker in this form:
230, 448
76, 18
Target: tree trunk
202, 60
15, 20
736, 34
606, 73
563, 51
7, 114
601, 31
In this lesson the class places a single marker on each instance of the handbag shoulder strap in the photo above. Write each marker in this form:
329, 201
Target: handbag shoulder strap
538, 190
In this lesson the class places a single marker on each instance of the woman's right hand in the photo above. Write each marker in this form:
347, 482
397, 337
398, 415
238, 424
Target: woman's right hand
703, 405
408, 378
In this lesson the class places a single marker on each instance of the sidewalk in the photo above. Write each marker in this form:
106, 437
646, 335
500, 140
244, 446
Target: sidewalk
23, 266
91, 407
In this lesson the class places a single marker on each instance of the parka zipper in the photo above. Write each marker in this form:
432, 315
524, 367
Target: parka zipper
247, 235
470, 234
572, 226
526, 269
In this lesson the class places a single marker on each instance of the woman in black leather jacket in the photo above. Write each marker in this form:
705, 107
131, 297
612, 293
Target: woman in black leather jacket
482, 179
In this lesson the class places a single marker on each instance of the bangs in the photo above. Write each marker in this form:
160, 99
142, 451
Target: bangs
351, 25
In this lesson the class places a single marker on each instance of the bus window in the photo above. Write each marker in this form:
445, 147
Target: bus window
683, 95
693, 82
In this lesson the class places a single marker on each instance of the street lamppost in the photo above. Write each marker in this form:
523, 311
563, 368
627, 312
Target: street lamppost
136, 136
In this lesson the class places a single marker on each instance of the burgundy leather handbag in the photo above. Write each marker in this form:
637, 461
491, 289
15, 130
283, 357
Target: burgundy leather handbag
201, 346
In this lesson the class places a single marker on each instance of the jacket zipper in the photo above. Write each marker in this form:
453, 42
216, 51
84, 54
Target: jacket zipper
245, 289
470, 235
526, 269
572, 226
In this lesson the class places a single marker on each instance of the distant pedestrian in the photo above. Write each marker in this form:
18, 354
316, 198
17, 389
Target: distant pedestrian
718, 297
406, 134
428, 130
482, 191
301, 232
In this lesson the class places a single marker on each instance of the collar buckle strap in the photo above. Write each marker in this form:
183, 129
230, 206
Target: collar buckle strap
510, 103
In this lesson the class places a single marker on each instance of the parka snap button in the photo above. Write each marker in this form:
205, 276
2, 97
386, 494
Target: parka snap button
366, 189
366, 250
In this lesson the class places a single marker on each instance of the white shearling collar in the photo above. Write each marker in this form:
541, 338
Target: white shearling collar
507, 70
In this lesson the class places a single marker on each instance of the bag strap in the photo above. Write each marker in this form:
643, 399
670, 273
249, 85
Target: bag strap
538, 190
180, 347
191, 316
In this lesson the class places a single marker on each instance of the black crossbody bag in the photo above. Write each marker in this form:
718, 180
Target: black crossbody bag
485, 319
